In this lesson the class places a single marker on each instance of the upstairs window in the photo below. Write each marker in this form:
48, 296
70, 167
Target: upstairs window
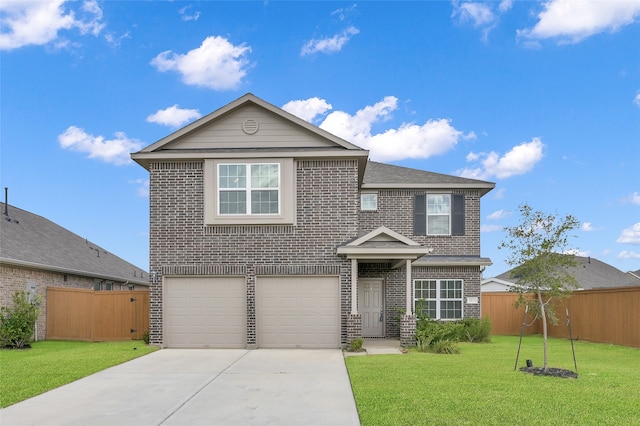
252, 191
249, 189
438, 214
369, 201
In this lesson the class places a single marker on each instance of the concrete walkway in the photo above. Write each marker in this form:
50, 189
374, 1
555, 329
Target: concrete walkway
202, 387
378, 346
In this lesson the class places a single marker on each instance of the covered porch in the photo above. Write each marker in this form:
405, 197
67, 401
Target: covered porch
367, 302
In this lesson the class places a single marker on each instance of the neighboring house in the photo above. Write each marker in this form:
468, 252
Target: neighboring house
267, 231
35, 253
590, 273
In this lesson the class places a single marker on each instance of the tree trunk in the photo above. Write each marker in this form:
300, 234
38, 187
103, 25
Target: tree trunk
544, 330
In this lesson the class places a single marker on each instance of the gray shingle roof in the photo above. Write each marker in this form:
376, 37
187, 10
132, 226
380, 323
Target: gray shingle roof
34, 241
380, 175
592, 273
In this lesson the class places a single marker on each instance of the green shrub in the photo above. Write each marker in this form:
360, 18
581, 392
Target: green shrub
145, 337
476, 330
18, 323
438, 336
355, 345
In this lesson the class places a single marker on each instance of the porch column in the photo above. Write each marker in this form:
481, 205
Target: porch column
409, 290
354, 286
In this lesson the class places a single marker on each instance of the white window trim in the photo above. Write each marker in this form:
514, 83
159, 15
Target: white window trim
362, 201
287, 198
438, 299
248, 188
426, 200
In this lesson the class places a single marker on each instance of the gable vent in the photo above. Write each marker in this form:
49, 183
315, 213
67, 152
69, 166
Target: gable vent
250, 126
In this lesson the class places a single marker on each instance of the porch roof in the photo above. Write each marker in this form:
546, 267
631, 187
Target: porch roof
437, 260
381, 245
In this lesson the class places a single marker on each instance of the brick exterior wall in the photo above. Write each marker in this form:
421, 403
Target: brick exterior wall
395, 211
16, 278
327, 215
395, 288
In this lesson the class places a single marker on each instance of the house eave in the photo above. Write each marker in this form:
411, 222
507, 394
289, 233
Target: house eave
483, 188
146, 158
452, 261
63, 270
380, 253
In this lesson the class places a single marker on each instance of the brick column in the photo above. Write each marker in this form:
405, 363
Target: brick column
354, 327
251, 305
408, 330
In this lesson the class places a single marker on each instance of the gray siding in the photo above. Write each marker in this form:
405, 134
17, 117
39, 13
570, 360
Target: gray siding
226, 132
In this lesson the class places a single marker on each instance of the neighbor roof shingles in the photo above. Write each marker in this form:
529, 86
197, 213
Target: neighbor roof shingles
34, 241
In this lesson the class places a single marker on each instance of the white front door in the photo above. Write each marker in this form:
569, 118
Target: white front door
371, 307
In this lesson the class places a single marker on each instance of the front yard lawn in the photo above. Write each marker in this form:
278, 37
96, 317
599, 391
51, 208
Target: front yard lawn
480, 387
49, 364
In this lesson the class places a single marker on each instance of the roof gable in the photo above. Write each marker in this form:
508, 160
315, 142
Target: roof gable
250, 123
382, 234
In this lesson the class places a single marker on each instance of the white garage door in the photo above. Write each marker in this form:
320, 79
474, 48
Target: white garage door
298, 312
205, 312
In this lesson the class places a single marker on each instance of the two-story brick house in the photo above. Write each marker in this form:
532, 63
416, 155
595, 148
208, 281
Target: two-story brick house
267, 231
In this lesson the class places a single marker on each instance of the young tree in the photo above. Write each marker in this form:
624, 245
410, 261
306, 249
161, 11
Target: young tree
538, 249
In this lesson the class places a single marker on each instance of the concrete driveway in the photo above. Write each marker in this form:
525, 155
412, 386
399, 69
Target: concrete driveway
202, 387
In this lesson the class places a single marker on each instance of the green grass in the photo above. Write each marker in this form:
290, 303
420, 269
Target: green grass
480, 387
49, 364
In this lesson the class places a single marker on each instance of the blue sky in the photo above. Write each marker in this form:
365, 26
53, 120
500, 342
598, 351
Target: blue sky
542, 98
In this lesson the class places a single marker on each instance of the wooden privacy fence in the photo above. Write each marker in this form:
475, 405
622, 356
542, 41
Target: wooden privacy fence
77, 314
600, 316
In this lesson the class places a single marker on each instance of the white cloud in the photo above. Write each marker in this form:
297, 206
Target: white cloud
329, 45
173, 116
27, 22
630, 235
628, 255
499, 214
633, 198
490, 228
307, 109
587, 227
479, 14
636, 100
519, 160
188, 17
409, 140
576, 252
344, 12
216, 64
114, 40
114, 151
570, 21
498, 194
505, 5
143, 187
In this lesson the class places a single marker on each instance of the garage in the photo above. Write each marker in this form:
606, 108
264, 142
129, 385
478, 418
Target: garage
298, 312
205, 312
